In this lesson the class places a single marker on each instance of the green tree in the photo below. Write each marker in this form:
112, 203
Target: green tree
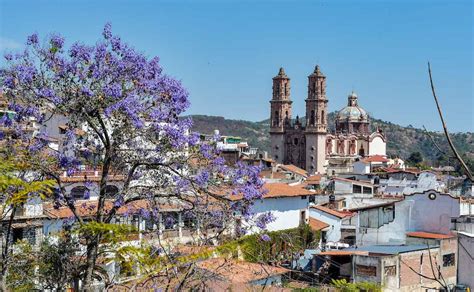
18, 185
415, 158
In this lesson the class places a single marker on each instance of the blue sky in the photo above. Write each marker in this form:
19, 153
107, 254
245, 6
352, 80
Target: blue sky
226, 52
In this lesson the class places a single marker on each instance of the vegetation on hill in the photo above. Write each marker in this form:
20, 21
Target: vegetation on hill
401, 141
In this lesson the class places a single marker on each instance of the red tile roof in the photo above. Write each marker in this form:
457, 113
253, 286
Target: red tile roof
89, 208
339, 214
316, 224
239, 271
376, 158
276, 190
314, 179
294, 169
429, 235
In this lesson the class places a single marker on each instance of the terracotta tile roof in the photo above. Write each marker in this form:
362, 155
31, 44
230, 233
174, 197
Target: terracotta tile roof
294, 169
316, 224
89, 208
314, 179
271, 174
273, 190
376, 158
339, 214
429, 235
83, 176
276, 190
239, 271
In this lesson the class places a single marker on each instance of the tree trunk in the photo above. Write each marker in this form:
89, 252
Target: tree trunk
92, 249
5, 253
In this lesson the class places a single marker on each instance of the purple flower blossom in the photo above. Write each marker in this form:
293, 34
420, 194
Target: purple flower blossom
262, 220
265, 237
202, 178
8, 56
32, 39
119, 201
57, 41
107, 33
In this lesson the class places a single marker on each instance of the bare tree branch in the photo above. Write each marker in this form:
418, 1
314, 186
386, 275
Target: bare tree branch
445, 128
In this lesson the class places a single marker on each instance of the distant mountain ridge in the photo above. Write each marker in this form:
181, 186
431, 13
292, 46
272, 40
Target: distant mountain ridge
401, 141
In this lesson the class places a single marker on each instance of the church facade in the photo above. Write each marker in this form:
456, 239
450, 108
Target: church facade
308, 144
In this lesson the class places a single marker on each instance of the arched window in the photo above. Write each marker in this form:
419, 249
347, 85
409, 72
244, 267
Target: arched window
295, 141
111, 191
322, 117
312, 119
275, 120
79, 193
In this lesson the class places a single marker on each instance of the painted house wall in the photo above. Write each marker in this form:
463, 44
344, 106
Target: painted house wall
465, 260
377, 147
361, 167
287, 211
334, 230
415, 213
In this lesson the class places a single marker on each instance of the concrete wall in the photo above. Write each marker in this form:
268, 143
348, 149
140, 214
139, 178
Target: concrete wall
361, 167
335, 223
377, 147
277, 142
287, 211
366, 261
465, 259
415, 213
315, 153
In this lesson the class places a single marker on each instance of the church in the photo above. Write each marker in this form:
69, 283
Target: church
308, 144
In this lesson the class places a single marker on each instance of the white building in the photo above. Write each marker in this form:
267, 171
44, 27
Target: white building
287, 202
388, 223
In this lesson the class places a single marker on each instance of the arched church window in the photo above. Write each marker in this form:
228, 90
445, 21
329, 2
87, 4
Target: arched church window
311, 121
322, 117
78, 193
295, 141
286, 89
111, 191
275, 122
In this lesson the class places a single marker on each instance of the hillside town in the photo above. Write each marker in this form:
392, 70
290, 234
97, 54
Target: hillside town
106, 184
374, 219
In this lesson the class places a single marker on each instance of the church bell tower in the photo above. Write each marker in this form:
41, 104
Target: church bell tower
316, 122
280, 115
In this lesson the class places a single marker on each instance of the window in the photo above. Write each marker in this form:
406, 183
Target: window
303, 217
78, 193
304, 197
295, 141
390, 270
366, 270
356, 189
448, 260
367, 190
111, 191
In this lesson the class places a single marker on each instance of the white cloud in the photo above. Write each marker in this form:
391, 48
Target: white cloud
9, 44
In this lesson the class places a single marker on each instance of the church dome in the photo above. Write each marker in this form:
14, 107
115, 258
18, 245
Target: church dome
352, 111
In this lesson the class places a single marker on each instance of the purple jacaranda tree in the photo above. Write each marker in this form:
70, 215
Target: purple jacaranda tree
124, 118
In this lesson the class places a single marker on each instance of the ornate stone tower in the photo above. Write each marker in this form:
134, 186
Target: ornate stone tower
280, 115
316, 122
